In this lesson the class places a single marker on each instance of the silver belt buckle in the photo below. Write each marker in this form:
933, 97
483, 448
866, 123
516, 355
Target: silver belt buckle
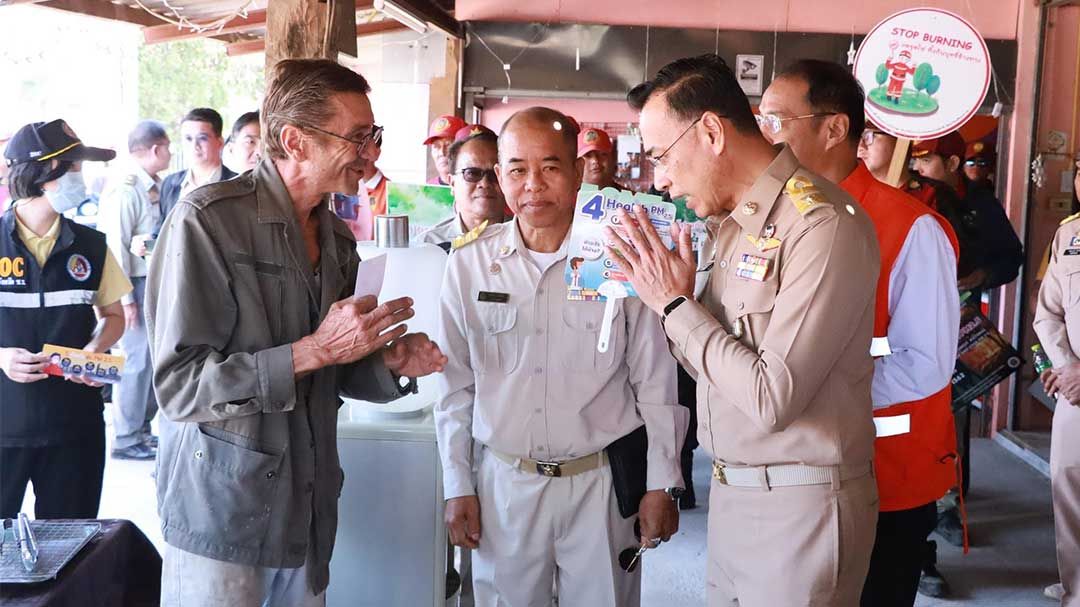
551, 469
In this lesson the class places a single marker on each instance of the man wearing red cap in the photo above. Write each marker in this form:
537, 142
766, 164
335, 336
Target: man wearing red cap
440, 137
978, 165
595, 146
898, 73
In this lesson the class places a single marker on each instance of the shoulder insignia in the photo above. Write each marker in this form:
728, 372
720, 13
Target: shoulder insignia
1069, 218
804, 194
130, 180
468, 237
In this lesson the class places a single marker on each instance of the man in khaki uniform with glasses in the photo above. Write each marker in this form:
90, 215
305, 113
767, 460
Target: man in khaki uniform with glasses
779, 342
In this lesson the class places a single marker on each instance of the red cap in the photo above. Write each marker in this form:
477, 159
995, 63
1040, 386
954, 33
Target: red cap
944, 146
444, 127
978, 149
590, 140
469, 130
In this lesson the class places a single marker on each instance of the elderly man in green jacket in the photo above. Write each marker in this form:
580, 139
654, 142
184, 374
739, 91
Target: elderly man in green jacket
255, 336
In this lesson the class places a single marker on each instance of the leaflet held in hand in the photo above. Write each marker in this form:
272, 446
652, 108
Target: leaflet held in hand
72, 362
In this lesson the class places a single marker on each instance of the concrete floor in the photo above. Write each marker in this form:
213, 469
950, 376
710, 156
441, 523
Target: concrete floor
1011, 558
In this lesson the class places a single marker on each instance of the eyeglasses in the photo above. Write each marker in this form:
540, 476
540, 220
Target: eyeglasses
868, 136
657, 161
375, 136
771, 123
979, 162
476, 175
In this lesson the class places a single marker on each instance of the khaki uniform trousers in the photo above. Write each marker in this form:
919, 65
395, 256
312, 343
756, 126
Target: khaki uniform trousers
1065, 489
790, 546
536, 530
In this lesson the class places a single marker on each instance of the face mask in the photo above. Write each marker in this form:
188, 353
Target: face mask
70, 192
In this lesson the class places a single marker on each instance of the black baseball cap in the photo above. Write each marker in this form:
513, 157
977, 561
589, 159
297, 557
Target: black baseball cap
41, 141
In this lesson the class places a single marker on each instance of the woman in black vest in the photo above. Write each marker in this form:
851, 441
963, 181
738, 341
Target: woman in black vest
58, 285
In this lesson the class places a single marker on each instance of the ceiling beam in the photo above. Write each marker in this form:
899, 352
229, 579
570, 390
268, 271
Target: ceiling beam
248, 47
171, 33
103, 10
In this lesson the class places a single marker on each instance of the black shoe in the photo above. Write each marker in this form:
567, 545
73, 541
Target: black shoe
932, 584
950, 528
151, 441
138, 452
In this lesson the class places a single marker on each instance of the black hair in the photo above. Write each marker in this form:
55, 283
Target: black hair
245, 119
207, 115
455, 148
26, 178
146, 134
831, 87
695, 85
547, 117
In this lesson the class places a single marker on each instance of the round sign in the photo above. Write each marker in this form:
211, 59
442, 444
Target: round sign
925, 72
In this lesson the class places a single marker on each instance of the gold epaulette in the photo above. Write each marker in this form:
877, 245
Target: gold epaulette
1069, 218
804, 194
468, 237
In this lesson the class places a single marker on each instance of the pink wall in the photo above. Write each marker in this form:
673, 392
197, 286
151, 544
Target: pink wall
825, 16
582, 110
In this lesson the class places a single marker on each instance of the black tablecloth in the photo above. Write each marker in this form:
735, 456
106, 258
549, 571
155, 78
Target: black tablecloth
119, 567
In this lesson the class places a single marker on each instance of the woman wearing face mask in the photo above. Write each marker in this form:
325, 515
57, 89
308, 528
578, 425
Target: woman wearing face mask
58, 285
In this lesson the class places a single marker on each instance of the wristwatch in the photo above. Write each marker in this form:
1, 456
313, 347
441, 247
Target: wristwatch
675, 303
674, 492
405, 385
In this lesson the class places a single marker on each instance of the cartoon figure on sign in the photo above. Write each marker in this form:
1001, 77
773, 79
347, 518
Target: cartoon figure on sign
575, 272
893, 96
899, 71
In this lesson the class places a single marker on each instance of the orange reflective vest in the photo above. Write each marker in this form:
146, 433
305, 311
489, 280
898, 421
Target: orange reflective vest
917, 467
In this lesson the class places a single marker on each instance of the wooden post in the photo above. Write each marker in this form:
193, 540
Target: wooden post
297, 29
899, 160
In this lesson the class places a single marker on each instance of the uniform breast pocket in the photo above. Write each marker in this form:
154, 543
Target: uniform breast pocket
749, 305
499, 345
582, 322
1072, 285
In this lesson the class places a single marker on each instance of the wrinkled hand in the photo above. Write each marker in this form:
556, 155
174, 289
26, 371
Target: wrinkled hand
23, 366
355, 328
658, 274
658, 518
1063, 382
131, 316
414, 355
463, 521
972, 281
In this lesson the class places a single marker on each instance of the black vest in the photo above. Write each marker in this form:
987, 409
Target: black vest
50, 305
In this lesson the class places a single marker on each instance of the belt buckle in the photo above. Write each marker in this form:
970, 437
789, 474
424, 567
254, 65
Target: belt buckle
718, 473
550, 469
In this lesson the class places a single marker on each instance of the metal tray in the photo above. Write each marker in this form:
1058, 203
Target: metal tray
58, 543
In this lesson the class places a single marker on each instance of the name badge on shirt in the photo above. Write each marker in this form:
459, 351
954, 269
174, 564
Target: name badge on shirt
1072, 252
492, 297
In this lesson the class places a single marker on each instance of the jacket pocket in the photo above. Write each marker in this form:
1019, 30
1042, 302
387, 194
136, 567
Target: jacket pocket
221, 490
261, 286
500, 340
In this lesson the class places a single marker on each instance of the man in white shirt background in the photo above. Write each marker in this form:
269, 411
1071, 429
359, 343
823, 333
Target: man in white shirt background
202, 144
129, 213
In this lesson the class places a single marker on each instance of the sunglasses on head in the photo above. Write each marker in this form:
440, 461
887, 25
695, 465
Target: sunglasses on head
475, 175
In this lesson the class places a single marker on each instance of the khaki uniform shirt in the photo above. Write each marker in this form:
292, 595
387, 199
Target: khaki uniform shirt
1057, 315
444, 231
524, 377
130, 207
780, 340
248, 472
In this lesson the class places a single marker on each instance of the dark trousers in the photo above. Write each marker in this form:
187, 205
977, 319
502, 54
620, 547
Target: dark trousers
897, 559
66, 477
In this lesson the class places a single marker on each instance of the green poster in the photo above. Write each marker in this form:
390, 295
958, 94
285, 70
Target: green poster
426, 205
